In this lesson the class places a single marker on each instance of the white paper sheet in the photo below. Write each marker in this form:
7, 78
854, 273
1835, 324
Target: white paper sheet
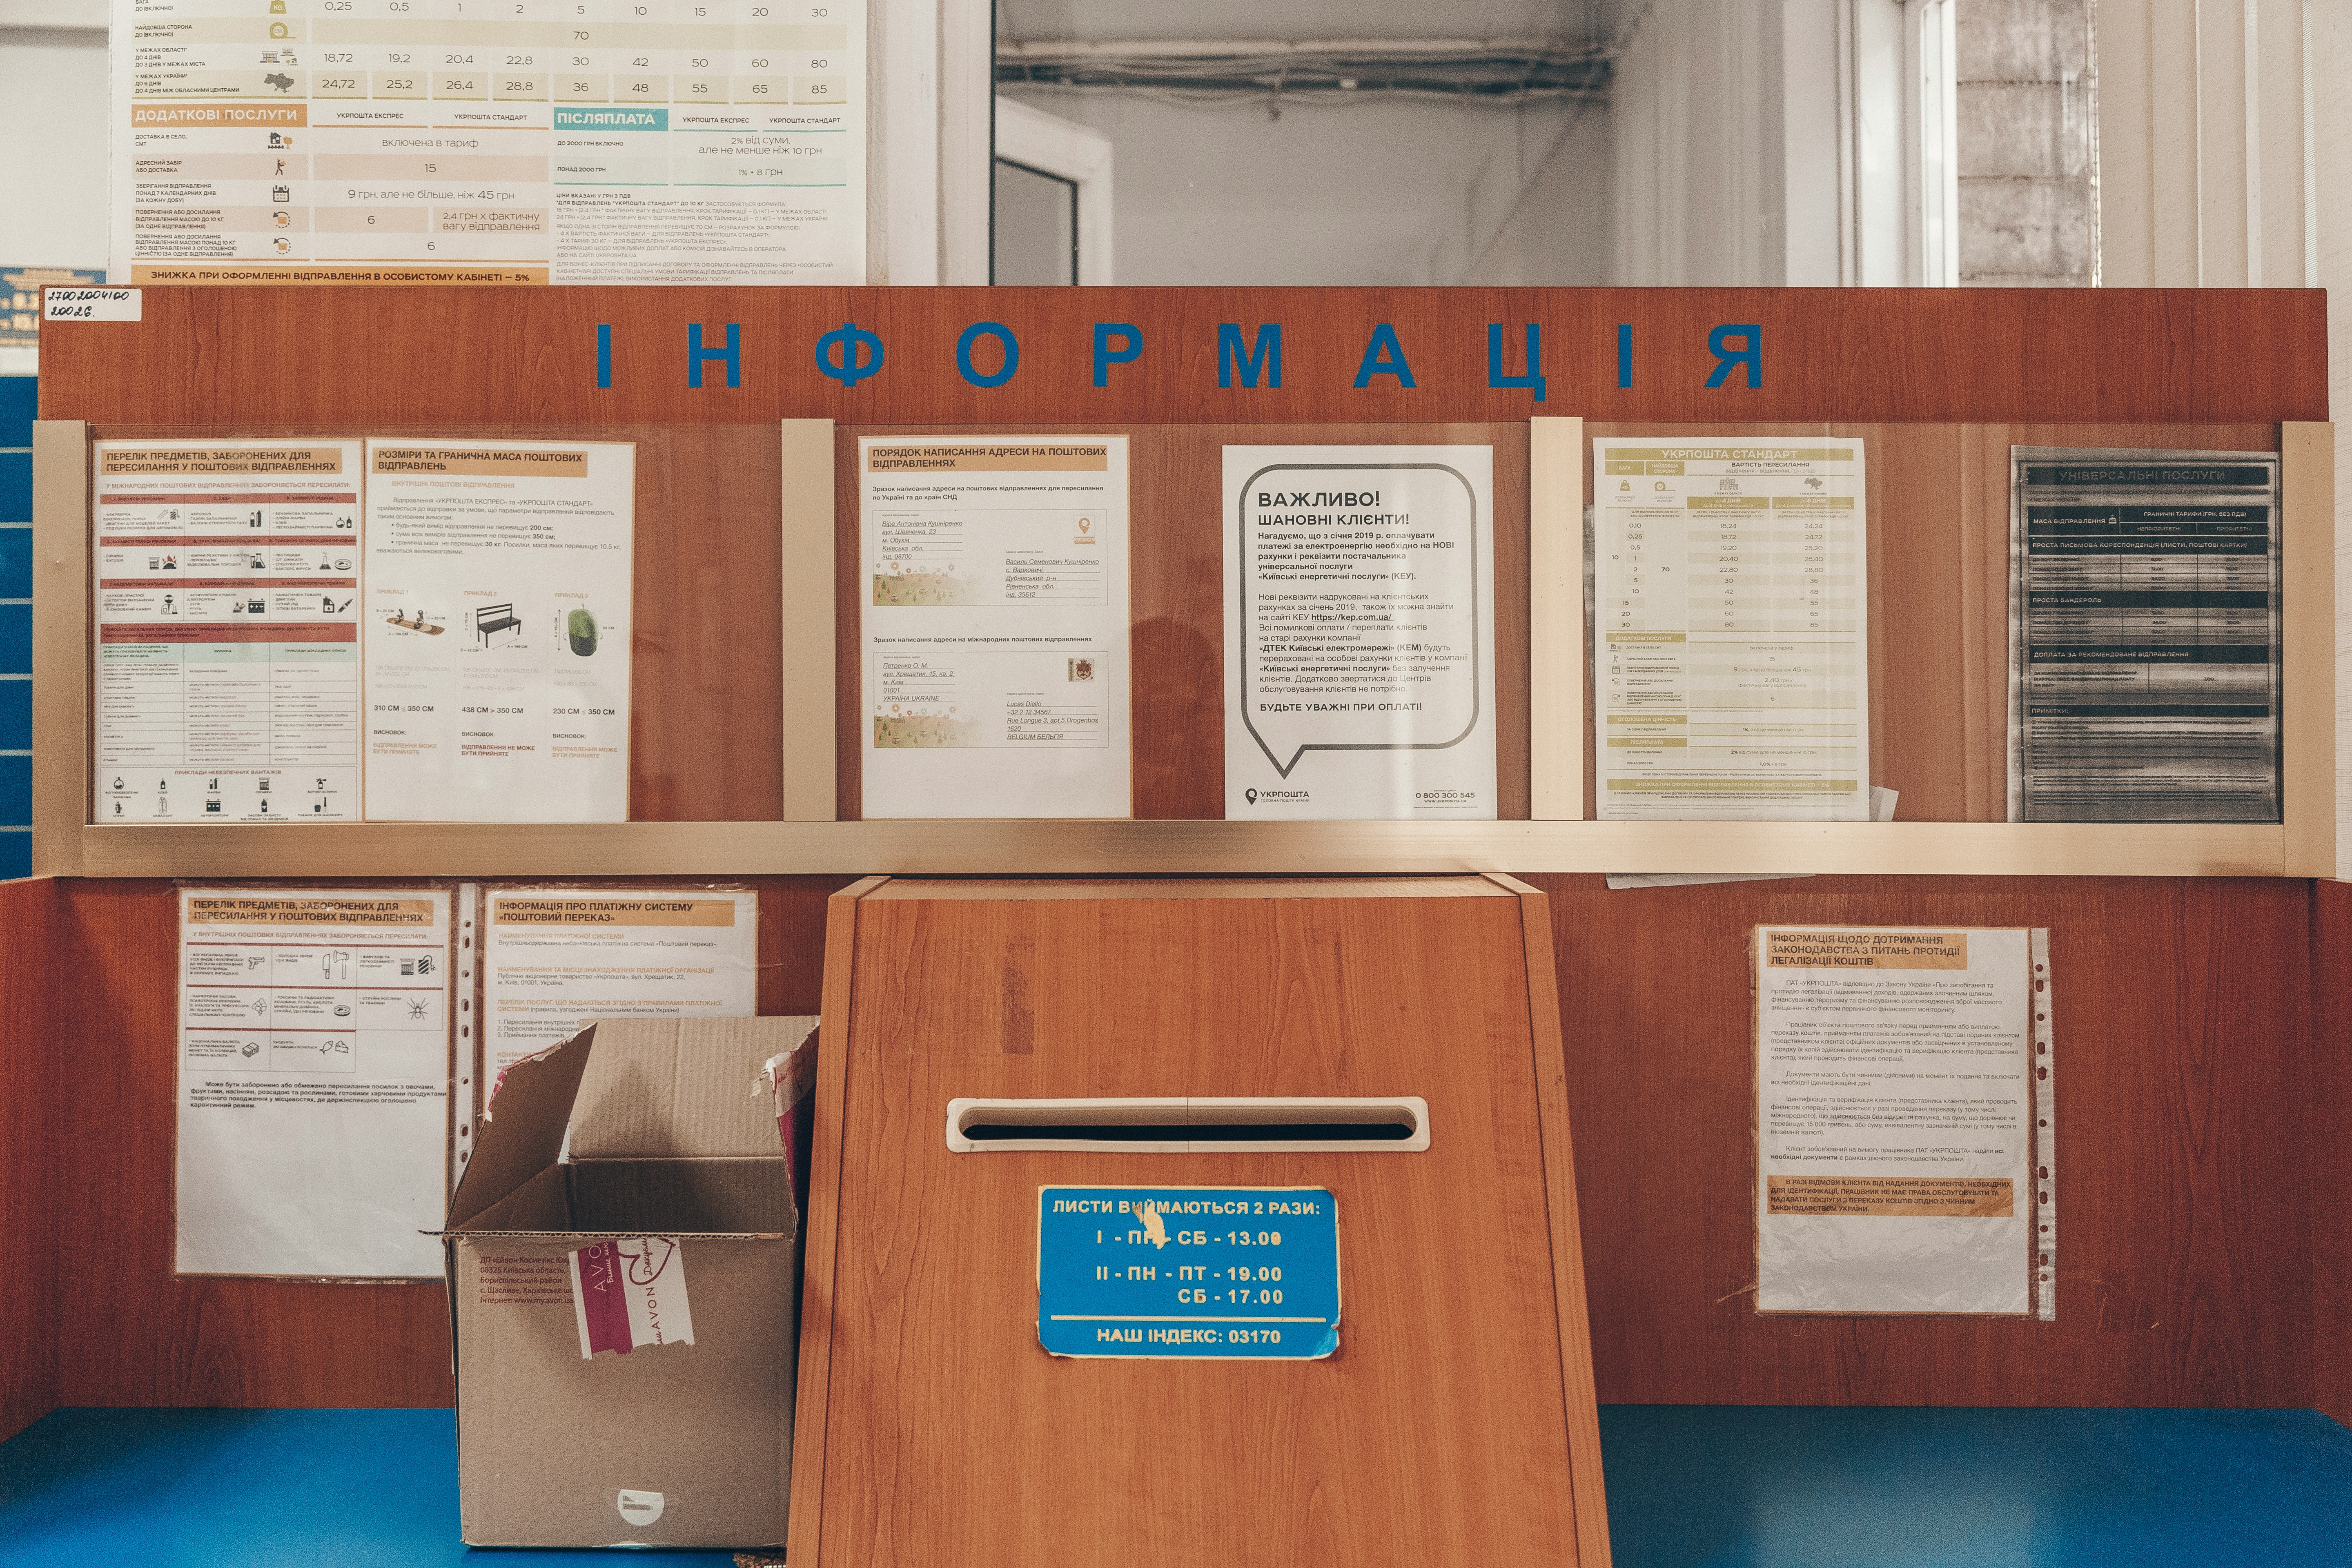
1360, 632
437, 141
313, 1081
497, 639
226, 615
1730, 658
1894, 1119
556, 959
994, 666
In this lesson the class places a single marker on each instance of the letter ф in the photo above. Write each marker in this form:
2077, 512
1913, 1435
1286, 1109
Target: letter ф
850, 354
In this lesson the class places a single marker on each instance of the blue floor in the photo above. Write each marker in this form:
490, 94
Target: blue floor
1689, 1486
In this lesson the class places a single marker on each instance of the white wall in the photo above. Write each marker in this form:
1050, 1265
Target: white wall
1803, 142
1384, 191
52, 141
1697, 141
2225, 145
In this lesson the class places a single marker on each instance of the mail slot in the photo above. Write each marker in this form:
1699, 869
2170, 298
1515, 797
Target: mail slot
1197, 1221
1303, 1124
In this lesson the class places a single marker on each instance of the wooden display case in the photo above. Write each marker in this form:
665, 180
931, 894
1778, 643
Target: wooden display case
748, 493
2206, 1112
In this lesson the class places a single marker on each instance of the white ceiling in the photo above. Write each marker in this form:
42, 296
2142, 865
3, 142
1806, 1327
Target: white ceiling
1133, 19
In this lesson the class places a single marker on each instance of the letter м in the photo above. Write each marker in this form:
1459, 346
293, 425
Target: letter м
1263, 356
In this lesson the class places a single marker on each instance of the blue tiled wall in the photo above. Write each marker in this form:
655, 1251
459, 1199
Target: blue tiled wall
16, 626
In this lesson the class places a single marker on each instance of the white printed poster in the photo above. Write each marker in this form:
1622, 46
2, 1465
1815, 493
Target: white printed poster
225, 626
496, 641
313, 1081
995, 670
1730, 671
489, 141
1360, 632
555, 960
1895, 1119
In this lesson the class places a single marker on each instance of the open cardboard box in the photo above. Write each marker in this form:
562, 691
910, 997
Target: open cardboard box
629, 1188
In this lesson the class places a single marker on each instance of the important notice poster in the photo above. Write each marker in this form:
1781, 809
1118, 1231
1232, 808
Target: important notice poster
1360, 632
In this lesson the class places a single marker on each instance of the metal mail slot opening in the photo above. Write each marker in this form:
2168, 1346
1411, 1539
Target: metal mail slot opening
1396, 1125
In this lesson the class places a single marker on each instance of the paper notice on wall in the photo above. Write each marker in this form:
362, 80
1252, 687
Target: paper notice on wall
497, 638
1731, 672
1894, 1119
555, 960
437, 141
2147, 649
1360, 632
226, 615
313, 1081
994, 605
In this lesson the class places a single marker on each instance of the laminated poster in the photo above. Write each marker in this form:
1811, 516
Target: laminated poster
2145, 636
1360, 632
489, 141
313, 1081
496, 638
993, 668
1902, 1114
226, 615
1730, 670
555, 960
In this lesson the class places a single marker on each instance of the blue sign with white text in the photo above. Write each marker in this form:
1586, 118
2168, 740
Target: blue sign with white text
1223, 1273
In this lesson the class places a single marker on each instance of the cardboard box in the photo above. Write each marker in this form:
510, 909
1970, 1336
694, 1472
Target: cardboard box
636, 1158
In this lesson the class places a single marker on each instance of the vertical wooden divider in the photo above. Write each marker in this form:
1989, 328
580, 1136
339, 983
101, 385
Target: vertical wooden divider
821, 1230
2308, 716
61, 645
1556, 630
1578, 1386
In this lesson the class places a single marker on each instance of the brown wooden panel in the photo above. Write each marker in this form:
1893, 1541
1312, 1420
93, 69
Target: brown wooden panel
30, 1072
439, 356
2186, 1192
127, 1331
1176, 518
2329, 1177
947, 1431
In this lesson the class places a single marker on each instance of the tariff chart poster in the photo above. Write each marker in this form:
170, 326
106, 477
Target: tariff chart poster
555, 960
1894, 1119
314, 1070
1730, 659
226, 663
994, 666
2145, 636
1360, 632
489, 141
496, 642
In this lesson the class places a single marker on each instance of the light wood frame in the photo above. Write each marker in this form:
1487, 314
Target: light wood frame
808, 841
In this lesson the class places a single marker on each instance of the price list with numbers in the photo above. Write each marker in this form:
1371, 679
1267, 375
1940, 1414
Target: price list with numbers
1730, 667
489, 141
